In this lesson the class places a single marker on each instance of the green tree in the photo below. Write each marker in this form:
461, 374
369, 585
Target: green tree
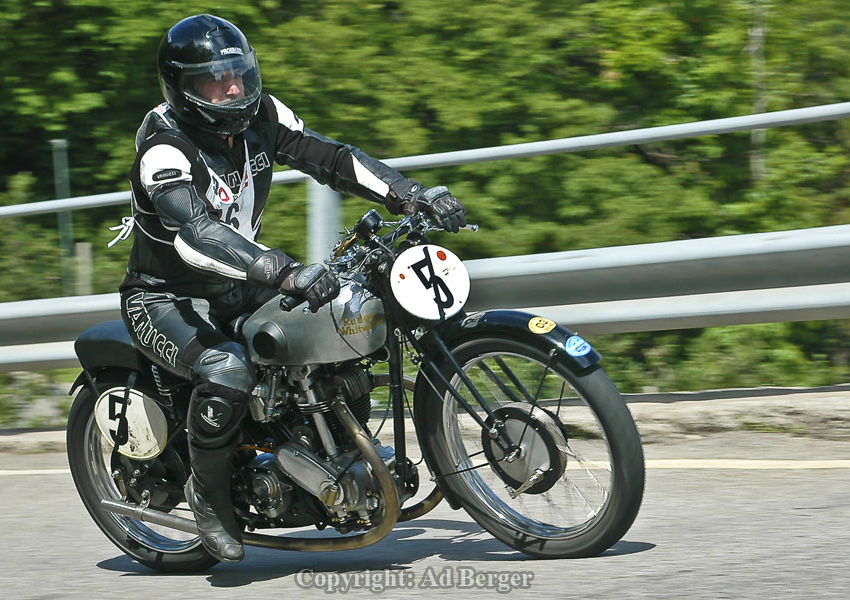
420, 76
29, 251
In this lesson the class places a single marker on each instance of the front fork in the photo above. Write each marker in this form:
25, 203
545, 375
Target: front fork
428, 368
396, 366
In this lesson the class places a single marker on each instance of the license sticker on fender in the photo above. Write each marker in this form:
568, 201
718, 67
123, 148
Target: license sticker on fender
541, 325
577, 346
430, 282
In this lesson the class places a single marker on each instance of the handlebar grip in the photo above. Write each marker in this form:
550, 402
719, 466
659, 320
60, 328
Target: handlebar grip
287, 303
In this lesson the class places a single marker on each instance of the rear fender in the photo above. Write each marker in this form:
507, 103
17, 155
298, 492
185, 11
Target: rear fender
91, 379
83, 378
107, 348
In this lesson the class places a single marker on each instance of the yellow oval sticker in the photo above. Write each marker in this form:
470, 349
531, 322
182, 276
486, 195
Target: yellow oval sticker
541, 325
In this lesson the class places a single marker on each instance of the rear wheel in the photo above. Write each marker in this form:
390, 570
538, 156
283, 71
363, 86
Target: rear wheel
556, 468
159, 481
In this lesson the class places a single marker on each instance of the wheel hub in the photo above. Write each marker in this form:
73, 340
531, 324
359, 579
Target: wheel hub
538, 447
162, 478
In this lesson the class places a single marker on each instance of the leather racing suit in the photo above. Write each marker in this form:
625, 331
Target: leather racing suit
198, 207
198, 204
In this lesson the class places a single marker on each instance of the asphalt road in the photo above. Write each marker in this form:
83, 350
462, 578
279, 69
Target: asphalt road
731, 515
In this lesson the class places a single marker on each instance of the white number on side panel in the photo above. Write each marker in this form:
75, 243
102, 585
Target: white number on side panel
430, 282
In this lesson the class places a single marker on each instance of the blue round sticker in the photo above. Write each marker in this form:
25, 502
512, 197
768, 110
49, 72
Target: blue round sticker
577, 346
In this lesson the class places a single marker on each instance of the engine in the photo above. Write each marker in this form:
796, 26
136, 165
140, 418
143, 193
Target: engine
340, 486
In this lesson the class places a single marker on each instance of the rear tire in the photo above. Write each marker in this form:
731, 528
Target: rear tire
580, 459
89, 456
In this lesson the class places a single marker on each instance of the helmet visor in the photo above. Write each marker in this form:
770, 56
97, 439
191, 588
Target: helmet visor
228, 83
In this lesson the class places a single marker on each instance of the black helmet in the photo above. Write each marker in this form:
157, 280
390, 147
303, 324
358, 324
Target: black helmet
209, 74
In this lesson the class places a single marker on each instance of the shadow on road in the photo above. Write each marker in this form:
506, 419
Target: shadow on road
622, 548
449, 540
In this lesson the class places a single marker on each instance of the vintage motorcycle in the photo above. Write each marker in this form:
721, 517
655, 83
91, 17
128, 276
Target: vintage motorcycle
516, 421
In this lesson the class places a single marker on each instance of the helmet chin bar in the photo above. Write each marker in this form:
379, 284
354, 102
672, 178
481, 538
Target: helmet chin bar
207, 116
221, 126
205, 45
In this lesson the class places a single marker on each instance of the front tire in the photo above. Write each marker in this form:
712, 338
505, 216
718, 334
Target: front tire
576, 461
89, 457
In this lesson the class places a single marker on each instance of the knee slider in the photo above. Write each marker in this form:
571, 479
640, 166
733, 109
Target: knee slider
215, 412
228, 365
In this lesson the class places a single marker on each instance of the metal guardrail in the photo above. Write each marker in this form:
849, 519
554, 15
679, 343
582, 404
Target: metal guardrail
781, 118
779, 276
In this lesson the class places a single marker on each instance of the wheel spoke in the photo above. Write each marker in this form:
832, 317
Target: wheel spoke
576, 497
534, 401
499, 383
514, 379
467, 469
98, 451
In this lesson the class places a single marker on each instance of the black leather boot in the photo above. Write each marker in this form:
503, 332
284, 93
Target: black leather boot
208, 495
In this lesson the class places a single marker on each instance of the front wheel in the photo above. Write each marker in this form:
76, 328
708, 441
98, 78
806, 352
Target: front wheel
158, 481
554, 467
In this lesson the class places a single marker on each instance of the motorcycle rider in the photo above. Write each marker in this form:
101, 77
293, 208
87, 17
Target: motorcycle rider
200, 181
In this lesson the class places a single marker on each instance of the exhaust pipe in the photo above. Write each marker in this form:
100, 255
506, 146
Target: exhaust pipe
428, 504
388, 517
149, 515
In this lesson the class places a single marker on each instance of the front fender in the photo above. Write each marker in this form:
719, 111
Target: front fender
542, 333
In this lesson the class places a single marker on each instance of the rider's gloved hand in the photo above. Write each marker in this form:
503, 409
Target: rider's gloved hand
437, 202
315, 283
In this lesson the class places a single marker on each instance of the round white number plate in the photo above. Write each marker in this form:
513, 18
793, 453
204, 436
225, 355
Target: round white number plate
146, 425
430, 282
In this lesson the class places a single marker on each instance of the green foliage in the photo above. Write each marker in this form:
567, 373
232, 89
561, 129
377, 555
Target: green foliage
35, 399
29, 251
768, 354
421, 76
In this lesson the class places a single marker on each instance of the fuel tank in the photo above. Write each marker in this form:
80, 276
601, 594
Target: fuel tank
351, 326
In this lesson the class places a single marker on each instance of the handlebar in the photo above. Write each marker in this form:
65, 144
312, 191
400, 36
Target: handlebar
408, 224
366, 230
287, 303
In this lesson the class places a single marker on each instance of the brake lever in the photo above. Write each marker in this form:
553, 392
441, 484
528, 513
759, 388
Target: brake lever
469, 227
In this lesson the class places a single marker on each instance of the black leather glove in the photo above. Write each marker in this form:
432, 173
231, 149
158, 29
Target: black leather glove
315, 283
436, 202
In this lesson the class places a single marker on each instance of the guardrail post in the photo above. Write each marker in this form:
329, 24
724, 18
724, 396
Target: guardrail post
84, 268
324, 220
62, 185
